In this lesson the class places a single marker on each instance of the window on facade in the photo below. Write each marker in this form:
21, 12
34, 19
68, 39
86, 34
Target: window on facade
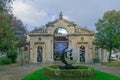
39, 38
25, 48
61, 30
82, 38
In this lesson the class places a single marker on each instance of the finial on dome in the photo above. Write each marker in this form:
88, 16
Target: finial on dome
60, 15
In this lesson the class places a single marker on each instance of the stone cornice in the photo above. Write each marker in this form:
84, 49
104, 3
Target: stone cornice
41, 35
39, 43
33, 34
80, 34
82, 42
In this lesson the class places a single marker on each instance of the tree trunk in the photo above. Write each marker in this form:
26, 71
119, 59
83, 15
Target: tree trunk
109, 60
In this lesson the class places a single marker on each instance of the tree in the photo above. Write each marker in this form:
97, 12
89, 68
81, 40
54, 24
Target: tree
8, 39
5, 6
17, 26
11, 30
108, 31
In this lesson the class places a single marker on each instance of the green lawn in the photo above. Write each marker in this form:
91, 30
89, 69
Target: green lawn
113, 64
37, 75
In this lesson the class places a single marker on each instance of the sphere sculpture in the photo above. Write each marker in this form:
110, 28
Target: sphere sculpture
69, 57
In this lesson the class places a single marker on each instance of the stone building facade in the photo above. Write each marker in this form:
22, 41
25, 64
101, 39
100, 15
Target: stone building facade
47, 43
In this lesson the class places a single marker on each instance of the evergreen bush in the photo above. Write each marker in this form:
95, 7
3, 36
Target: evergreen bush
5, 60
54, 71
12, 54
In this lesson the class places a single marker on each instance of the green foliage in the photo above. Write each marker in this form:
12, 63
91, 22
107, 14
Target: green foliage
12, 54
8, 40
38, 75
5, 6
11, 30
7, 36
108, 31
17, 26
81, 71
5, 60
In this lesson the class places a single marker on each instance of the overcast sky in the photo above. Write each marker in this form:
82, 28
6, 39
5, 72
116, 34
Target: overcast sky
82, 12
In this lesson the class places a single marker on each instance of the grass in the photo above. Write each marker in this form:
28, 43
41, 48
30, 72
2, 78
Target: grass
113, 64
37, 75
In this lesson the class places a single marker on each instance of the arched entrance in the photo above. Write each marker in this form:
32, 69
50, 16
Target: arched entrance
39, 54
60, 42
26, 55
82, 54
96, 52
96, 58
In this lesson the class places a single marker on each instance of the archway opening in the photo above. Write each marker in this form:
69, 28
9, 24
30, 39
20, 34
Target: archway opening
60, 42
82, 54
39, 54
96, 53
96, 58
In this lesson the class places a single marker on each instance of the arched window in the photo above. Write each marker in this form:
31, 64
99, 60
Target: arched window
82, 38
61, 30
96, 52
60, 42
82, 54
39, 54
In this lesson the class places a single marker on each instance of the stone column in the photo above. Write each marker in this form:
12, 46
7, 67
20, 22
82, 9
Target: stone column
35, 53
49, 57
52, 59
78, 49
31, 51
86, 53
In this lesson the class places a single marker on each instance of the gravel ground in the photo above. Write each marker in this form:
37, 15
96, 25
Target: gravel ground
16, 72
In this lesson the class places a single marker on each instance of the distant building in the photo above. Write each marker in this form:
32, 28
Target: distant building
47, 43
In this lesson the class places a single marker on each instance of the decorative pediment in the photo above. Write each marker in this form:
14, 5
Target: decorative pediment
82, 42
72, 28
60, 20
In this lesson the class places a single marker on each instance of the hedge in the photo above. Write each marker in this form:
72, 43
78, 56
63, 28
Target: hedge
82, 71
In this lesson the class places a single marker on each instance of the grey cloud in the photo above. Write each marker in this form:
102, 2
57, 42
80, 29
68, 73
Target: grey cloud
82, 12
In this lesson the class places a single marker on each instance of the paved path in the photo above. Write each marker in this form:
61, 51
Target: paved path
111, 70
16, 72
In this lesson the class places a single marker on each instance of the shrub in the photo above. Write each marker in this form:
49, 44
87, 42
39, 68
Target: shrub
5, 60
82, 71
12, 54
